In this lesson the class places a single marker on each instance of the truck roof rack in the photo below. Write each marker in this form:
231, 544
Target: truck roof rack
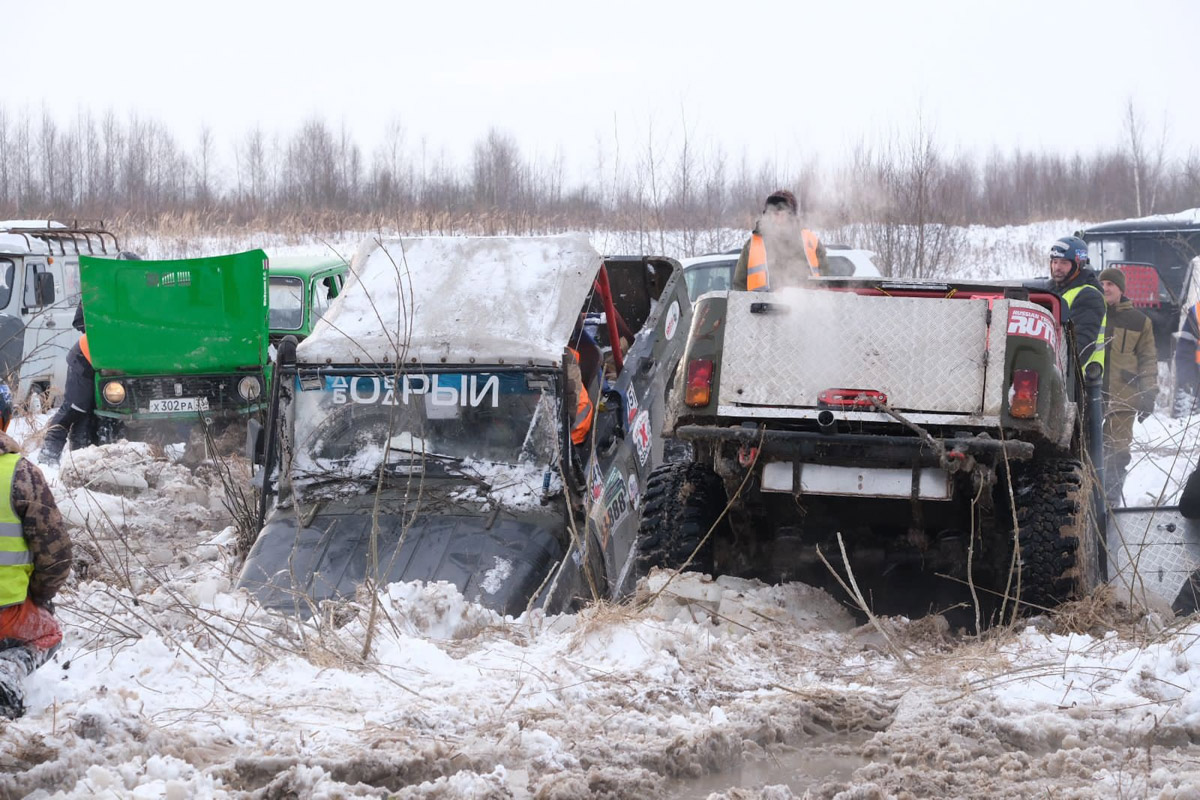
81, 238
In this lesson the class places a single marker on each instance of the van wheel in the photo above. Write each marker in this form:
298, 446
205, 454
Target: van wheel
1060, 547
682, 504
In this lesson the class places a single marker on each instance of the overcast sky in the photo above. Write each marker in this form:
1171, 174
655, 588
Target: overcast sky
785, 79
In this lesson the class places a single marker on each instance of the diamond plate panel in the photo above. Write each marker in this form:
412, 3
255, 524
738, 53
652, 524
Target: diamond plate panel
925, 354
1152, 550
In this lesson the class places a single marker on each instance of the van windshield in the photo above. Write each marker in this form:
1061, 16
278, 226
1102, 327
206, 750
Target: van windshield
286, 303
348, 425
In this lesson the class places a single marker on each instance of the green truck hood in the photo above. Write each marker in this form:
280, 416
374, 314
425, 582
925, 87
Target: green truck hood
197, 315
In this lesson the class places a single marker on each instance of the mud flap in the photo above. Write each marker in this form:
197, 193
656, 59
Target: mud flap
500, 565
1153, 554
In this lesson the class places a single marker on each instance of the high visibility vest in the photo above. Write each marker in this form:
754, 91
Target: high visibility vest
758, 276
1097, 355
756, 266
810, 251
16, 563
1196, 317
83, 346
582, 422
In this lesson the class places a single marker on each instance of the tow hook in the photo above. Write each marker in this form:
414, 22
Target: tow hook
747, 455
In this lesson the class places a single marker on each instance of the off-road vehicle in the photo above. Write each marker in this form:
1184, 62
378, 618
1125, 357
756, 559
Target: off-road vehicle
421, 433
177, 340
892, 415
39, 291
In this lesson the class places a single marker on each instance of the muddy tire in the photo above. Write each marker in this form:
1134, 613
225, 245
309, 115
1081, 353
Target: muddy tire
680, 506
1060, 557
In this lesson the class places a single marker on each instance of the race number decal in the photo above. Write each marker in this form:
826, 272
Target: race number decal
672, 320
1033, 324
641, 436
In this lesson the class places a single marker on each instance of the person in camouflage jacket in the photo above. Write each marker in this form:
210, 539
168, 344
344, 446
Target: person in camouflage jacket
35, 561
1130, 379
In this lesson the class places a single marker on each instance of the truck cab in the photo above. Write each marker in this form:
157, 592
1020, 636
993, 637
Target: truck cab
1158, 255
39, 291
423, 431
301, 289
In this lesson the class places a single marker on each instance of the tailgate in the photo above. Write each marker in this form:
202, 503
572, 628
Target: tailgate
925, 354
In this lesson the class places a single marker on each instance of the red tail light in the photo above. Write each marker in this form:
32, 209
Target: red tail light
699, 382
851, 398
1023, 396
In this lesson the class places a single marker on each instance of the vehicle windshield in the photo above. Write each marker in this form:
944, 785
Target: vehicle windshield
347, 425
286, 303
714, 278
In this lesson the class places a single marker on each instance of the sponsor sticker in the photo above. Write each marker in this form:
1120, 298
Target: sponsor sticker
597, 483
1033, 324
445, 389
635, 496
631, 405
672, 320
641, 436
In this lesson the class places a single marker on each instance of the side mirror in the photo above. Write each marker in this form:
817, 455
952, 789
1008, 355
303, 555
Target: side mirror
43, 288
256, 441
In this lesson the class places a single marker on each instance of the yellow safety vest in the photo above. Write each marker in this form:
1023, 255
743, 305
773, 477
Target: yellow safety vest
1097, 355
16, 563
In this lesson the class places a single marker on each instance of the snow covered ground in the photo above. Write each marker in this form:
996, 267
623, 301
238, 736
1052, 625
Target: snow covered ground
170, 684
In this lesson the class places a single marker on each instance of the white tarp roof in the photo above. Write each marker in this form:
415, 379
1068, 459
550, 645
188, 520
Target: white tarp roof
458, 300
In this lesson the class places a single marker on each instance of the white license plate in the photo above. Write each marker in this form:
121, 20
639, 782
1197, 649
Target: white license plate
175, 404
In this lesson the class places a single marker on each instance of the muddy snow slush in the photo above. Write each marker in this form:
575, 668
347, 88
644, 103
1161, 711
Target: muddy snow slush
925, 427
422, 432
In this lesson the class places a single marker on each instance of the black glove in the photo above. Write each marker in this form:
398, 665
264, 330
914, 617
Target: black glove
47, 603
1142, 416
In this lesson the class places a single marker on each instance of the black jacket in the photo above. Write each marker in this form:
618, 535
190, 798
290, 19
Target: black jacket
1086, 311
78, 323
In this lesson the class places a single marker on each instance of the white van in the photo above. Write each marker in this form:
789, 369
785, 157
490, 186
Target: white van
39, 291
715, 272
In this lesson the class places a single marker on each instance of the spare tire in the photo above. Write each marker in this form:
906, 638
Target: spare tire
683, 502
1060, 555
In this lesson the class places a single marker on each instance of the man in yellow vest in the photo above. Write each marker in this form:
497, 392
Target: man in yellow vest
1077, 284
76, 416
780, 251
35, 560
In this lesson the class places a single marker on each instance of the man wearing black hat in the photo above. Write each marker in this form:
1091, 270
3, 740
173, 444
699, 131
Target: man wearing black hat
1130, 378
780, 251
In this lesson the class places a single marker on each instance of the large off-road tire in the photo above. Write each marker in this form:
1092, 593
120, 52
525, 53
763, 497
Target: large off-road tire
682, 503
1060, 557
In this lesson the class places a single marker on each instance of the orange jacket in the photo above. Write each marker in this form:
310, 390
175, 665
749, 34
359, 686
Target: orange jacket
584, 410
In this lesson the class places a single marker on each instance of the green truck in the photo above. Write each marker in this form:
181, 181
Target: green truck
171, 340
301, 289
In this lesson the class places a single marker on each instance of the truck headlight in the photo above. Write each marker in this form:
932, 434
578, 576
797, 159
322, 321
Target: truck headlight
113, 393
249, 388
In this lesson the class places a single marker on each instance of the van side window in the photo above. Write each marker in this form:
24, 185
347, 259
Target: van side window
8, 272
31, 273
320, 299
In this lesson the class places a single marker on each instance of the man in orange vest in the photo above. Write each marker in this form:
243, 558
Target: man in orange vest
780, 252
75, 417
1187, 364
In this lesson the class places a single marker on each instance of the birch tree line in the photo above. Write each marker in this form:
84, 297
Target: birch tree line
904, 192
